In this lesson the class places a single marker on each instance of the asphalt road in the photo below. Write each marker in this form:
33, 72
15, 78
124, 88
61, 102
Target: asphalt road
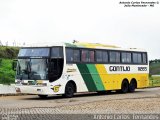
142, 101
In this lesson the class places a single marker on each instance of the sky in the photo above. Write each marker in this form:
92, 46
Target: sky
92, 21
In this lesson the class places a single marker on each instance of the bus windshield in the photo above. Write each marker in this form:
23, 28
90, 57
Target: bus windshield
34, 52
32, 69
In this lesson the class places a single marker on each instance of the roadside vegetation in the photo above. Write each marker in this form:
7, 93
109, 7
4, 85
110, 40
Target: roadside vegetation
154, 79
7, 54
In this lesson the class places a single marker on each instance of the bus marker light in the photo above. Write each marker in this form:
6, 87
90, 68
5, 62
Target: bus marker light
18, 90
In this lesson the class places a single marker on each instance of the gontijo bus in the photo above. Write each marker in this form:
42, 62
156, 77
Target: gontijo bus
80, 67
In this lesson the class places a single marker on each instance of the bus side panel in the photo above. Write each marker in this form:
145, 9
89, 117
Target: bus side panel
85, 73
142, 80
91, 77
108, 80
74, 74
97, 77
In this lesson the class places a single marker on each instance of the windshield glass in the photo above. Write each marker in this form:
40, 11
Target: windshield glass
34, 52
32, 69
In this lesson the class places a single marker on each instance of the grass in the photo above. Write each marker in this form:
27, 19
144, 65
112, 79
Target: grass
154, 70
154, 81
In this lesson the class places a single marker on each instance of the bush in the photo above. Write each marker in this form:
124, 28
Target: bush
9, 52
7, 75
0, 61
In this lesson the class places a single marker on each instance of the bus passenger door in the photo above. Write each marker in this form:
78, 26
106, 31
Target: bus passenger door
55, 69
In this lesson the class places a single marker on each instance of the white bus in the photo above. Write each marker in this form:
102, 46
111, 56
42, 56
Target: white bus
80, 67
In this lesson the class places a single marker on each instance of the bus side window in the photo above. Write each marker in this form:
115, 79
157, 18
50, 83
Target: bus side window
137, 58
105, 56
72, 55
126, 57
69, 55
91, 56
99, 56
85, 56
144, 56
76, 55
57, 52
114, 56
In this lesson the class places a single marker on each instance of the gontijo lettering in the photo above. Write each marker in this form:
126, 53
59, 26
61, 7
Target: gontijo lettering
119, 68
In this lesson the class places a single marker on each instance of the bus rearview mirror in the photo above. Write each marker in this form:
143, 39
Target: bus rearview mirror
14, 65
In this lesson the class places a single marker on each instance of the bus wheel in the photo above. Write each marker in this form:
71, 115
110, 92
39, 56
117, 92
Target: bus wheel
132, 86
125, 86
43, 96
69, 90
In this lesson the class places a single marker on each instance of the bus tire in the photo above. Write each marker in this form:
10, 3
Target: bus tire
43, 96
132, 86
69, 90
124, 86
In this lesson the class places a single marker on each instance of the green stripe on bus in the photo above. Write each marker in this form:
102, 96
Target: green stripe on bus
95, 76
87, 77
70, 45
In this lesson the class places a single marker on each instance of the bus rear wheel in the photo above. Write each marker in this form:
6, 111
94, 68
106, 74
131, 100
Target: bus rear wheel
124, 86
132, 86
69, 90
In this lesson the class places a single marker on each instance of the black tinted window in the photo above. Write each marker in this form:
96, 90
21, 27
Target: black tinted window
91, 56
34, 52
69, 55
76, 55
72, 55
126, 57
144, 55
105, 56
114, 56
137, 58
57, 52
85, 56
101, 56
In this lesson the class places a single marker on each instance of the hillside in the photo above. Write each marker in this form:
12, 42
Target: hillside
155, 67
7, 54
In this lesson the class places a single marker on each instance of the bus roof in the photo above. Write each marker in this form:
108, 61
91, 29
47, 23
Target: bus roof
100, 46
85, 45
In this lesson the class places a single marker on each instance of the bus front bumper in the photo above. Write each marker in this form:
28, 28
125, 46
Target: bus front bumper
39, 90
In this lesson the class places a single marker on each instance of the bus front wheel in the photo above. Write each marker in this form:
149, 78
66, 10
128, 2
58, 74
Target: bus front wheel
69, 90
